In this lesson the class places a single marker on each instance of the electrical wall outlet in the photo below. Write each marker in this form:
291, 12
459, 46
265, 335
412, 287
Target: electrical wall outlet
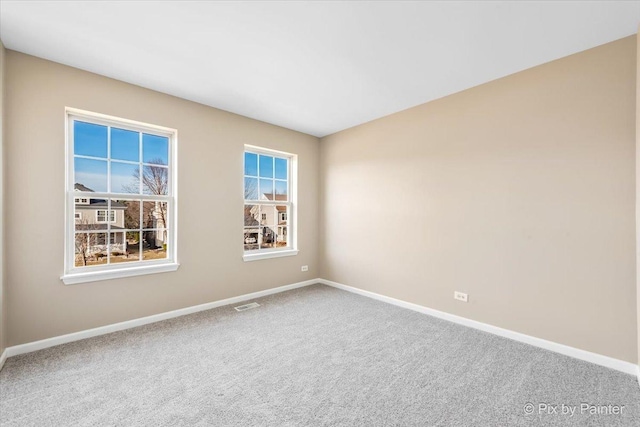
305, 268
460, 296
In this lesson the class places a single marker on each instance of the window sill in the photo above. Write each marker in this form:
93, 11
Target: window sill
267, 255
94, 276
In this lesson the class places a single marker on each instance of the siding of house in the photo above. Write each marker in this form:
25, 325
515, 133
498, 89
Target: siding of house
90, 215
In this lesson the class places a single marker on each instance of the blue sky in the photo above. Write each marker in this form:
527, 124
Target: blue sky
272, 169
92, 140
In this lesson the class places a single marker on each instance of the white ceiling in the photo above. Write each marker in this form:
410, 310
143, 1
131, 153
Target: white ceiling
316, 67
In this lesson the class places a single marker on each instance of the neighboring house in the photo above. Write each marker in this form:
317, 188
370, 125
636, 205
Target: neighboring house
91, 215
155, 213
271, 220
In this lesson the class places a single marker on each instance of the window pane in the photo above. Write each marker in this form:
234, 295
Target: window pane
266, 166
119, 248
154, 244
117, 215
89, 139
90, 249
251, 215
251, 236
154, 214
77, 215
92, 174
266, 189
127, 213
282, 236
155, 149
85, 219
268, 215
281, 168
281, 190
251, 164
125, 178
125, 145
155, 180
251, 189
267, 237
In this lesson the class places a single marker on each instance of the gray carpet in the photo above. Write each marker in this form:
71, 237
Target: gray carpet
315, 356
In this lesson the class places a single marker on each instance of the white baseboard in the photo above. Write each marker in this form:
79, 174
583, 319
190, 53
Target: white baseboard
3, 358
598, 359
595, 358
102, 330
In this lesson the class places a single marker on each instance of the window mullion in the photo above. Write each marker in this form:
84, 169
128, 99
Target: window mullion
108, 242
141, 167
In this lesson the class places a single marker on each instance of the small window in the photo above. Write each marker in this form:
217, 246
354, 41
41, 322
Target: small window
269, 181
122, 175
102, 216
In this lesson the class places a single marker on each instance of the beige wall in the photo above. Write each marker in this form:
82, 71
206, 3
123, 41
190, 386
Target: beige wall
210, 215
519, 192
3, 311
638, 191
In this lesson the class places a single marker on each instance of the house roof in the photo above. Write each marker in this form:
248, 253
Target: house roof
79, 187
95, 203
276, 197
100, 203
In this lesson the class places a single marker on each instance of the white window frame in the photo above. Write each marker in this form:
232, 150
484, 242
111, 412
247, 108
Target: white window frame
75, 275
291, 203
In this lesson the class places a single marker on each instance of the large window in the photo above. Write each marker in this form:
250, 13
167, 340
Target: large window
269, 195
120, 198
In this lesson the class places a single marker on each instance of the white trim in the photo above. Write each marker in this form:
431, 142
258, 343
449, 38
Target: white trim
102, 330
267, 152
3, 358
266, 255
120, 122
118, 273
598, 359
